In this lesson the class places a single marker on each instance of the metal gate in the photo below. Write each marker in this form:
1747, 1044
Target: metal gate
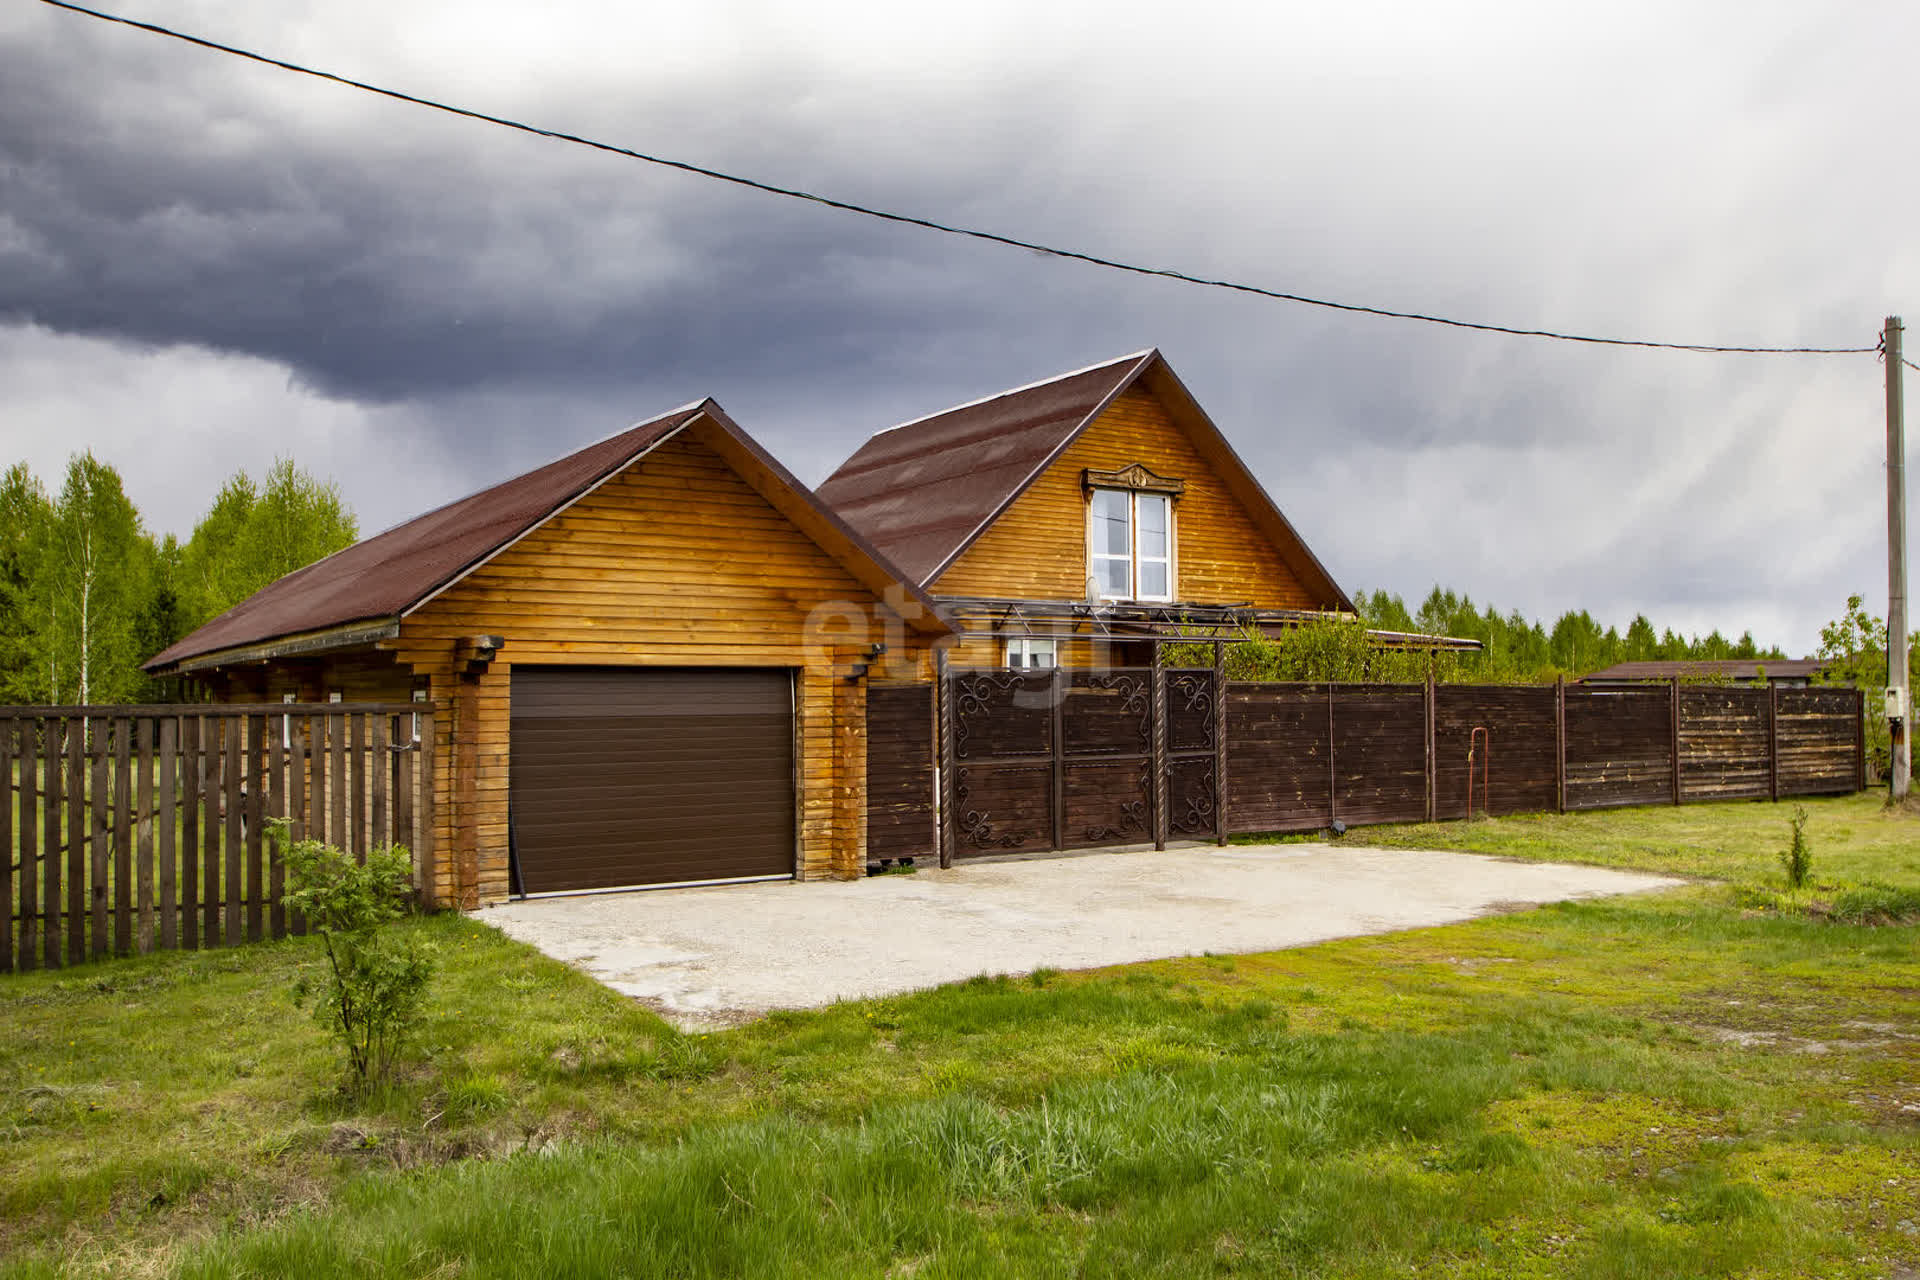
1038, 761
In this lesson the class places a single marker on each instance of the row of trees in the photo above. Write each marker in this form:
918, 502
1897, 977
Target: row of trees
1515, 650
1518, 650
87, 592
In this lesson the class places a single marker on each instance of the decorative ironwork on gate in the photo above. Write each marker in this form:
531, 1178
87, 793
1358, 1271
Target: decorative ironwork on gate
1081, 759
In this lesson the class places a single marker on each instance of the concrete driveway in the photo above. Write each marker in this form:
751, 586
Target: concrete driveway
719, 956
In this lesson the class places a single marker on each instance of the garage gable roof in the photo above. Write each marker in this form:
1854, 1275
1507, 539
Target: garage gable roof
388, 575
926, 490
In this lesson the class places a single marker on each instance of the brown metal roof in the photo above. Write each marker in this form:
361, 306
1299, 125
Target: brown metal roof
925, 490
921, 491
390, 572
1725, 668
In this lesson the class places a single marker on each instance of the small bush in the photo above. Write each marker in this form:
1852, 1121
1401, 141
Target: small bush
1797, 858
370, 998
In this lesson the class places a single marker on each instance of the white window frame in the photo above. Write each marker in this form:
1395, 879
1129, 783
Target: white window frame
1032, 647
1095, 554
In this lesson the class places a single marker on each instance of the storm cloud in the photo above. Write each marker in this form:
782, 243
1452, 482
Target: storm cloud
204, 263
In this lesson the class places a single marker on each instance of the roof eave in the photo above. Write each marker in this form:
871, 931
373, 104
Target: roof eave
347, 636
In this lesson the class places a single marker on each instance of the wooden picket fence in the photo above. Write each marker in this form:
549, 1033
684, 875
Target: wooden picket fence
136, 828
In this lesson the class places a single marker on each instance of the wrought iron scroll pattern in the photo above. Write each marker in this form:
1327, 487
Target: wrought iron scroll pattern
1194, 806
1133, 813
1196, 694
974, 697
976, 825
1136, 696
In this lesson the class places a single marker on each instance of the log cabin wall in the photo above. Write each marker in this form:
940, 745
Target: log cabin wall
675, 562
1037, 549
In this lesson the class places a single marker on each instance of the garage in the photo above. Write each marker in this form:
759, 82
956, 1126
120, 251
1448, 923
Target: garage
628, 776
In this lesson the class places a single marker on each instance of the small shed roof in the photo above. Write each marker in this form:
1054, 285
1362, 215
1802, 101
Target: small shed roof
1710, 668
385, 576
925, 490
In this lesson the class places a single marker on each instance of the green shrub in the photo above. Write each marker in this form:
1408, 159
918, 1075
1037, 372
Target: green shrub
375, 982
1797, 858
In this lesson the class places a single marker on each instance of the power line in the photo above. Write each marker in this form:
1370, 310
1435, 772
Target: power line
931, 225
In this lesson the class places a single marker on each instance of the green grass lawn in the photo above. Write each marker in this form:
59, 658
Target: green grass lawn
1718, 1080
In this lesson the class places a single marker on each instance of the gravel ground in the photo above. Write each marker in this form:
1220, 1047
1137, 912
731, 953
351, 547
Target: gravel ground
719, 956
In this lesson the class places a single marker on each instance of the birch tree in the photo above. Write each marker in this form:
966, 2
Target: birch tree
88, 585
25, 516
254, 534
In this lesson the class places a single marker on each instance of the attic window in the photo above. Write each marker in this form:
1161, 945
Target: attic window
1130, 544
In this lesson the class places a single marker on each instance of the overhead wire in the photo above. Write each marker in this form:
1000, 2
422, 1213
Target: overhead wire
848, 206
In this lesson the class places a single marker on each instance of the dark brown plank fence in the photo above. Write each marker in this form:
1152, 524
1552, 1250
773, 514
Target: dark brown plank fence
1074, 759
131, 829
1305, 755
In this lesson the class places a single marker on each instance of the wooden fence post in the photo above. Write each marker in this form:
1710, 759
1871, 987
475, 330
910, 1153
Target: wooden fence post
1333, 769
426, 812
1560, 743
1433, 779
1219, 741
1773, 742
168, 849
1160, 788
77, 840
233, 885
52, 797
278, 739
29, 813
122, 823
99, 842
6, 846
190, 726
1860, 739
943, 677
1673, 695
146, 821
1057, 733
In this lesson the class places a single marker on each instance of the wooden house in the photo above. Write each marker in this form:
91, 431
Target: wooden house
647, 663
1073, 521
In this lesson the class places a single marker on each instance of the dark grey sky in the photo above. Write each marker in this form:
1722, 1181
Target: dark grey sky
206, 263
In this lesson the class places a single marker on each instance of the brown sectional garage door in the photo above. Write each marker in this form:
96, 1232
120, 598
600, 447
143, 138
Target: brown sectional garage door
636, 775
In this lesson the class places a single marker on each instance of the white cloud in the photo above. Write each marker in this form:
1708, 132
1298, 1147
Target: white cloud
177, 421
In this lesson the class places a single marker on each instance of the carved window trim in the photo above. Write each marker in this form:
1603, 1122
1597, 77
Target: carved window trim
1136, 481
1137, 476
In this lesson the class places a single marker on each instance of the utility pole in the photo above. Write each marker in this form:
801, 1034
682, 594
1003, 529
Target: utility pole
1899, 696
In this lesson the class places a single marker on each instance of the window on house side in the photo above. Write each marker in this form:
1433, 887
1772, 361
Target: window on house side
1130, 544
1027, 652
